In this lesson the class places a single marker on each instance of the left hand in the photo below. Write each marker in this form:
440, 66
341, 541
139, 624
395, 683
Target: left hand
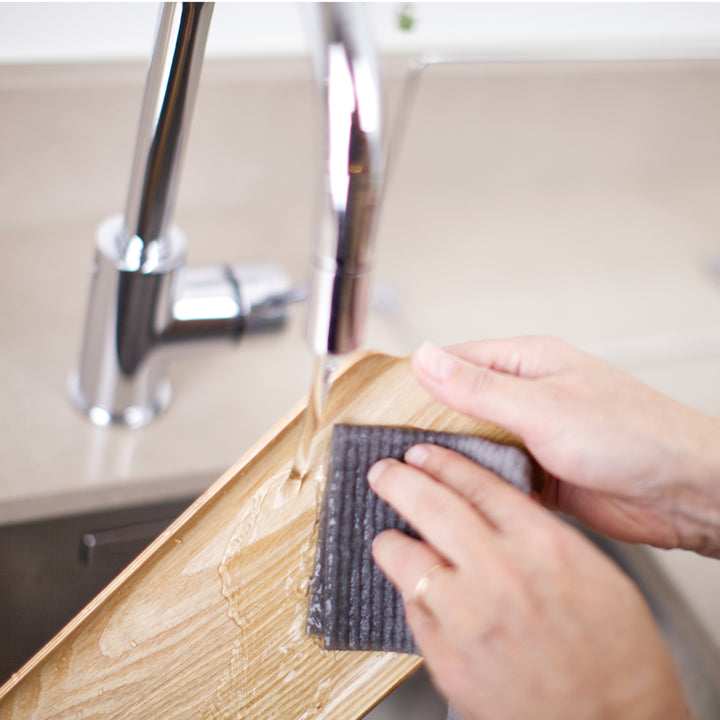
520, 615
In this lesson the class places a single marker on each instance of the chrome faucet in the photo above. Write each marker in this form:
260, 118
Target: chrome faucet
145, 304
347, 73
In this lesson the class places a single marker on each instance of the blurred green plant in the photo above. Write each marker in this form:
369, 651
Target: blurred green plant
406, 20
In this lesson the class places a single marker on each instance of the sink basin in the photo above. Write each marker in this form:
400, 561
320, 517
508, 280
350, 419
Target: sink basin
52, 568
696, 655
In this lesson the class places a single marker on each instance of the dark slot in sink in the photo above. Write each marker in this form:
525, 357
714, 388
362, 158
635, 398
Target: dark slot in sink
51, 569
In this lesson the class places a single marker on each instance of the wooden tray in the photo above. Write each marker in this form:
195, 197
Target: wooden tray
208, 622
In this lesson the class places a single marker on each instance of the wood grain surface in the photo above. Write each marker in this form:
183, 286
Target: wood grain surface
208, 622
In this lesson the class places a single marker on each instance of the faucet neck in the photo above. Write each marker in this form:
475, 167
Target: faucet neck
348, 76
170, 92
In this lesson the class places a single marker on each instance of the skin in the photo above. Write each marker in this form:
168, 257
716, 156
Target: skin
621, 457
522, 616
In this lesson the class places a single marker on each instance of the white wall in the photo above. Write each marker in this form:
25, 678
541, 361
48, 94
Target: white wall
42, 32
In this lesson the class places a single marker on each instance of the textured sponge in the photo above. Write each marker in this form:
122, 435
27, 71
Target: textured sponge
352, 605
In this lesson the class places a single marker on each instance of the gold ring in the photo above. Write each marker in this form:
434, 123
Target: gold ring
424, 583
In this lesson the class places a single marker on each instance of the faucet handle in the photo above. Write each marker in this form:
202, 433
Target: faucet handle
265, 291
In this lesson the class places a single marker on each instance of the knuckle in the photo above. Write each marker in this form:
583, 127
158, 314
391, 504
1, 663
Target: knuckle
547, 353
479, 494
550, 343
427, 507
551, 545
510, 583
442, 462
479, 382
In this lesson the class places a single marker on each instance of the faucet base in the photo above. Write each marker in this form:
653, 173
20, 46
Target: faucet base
121, 376
133, 417
146, 308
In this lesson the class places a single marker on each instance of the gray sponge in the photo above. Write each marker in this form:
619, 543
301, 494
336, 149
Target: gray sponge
352, 604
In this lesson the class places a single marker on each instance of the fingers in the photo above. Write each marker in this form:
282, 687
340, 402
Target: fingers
498, 501
476, 390
528, 357
400, 566
443, 518
425, 629
418, 572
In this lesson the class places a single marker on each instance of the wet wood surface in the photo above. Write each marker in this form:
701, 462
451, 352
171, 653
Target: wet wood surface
208, 622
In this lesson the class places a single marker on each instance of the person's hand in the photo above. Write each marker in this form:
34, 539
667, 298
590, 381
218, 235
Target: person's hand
517, 614
622, 458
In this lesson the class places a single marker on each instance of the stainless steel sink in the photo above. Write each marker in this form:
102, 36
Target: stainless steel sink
696, 655
50, 569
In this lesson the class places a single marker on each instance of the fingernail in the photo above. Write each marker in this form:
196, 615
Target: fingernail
376, 471
435, 362
417, 455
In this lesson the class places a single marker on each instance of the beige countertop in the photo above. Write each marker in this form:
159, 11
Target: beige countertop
574, 199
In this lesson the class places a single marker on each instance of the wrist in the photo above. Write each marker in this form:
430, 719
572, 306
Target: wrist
696, 501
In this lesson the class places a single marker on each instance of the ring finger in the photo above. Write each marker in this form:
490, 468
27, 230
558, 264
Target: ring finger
418, 571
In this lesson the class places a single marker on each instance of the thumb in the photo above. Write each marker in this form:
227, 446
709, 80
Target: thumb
474, 390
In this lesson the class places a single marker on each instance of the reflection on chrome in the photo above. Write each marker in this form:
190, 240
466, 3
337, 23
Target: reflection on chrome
145, 305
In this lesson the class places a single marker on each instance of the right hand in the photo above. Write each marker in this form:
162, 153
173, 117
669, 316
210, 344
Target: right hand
518, 615
621, 457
